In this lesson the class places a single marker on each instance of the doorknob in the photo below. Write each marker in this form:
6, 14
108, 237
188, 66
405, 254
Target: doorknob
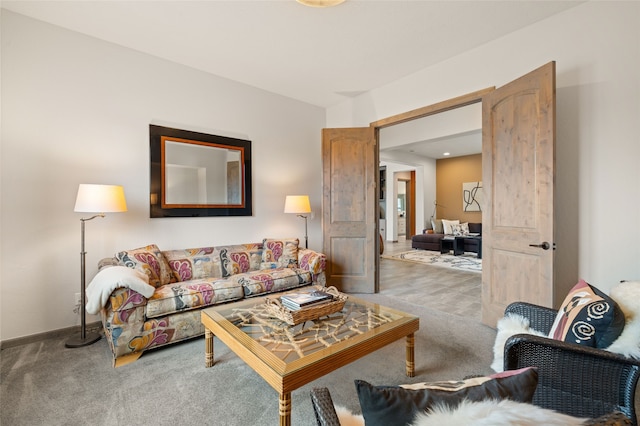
544, 246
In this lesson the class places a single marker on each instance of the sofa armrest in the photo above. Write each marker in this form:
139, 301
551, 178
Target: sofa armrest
323, 407
540, 318
574, 379
311, 261
107, 262
123, 299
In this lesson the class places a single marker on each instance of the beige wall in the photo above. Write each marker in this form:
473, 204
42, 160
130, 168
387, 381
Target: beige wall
77, 110
597, 126
450, 175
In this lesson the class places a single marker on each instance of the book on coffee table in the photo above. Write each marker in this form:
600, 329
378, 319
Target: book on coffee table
302, 299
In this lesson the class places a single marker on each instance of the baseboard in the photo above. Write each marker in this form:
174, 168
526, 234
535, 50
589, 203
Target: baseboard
54, 334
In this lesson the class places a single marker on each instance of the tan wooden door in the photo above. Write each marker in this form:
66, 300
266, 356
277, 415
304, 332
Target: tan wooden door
349, 208
518, 163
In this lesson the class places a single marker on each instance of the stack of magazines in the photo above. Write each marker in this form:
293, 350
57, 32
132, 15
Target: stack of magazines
304, 299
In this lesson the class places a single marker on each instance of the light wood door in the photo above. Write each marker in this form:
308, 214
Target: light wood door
518, 162
349, 208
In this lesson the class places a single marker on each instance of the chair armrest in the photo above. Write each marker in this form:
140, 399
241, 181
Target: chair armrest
323, 407
576, 380
540, 318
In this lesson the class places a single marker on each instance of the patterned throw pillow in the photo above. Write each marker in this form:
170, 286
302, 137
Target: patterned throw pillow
282, 252
447, 226
398, 405
460, 230
194, 263
237, 261
588, 317
149, 260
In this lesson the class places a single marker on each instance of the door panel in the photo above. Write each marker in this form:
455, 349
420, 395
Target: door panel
518, 155
349, 213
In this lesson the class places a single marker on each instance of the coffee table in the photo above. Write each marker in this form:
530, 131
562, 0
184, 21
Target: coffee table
289, 357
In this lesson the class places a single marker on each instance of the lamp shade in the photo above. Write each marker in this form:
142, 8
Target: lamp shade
100, 199
297, 204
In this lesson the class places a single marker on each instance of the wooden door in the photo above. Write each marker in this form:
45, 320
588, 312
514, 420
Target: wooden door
518, 163
349, 208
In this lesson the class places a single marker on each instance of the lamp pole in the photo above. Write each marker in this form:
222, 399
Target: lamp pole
85, 338
306, 237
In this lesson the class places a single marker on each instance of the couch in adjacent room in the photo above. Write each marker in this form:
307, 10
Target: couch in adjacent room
149, 298
430, 238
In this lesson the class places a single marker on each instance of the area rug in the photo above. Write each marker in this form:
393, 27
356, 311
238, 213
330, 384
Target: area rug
466, 262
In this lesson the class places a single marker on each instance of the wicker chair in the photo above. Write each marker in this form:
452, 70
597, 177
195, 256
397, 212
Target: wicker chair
572, 379
323, 407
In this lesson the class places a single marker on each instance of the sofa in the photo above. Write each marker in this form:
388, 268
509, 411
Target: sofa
430, 238
182, 282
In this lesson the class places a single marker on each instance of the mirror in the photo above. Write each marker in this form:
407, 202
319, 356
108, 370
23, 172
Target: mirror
197, 174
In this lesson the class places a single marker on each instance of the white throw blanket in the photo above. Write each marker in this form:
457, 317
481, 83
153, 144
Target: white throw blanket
111, 278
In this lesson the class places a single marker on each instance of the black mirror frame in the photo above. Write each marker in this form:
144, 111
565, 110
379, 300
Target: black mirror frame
156, 193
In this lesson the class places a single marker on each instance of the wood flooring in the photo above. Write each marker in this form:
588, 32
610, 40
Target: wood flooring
455, 292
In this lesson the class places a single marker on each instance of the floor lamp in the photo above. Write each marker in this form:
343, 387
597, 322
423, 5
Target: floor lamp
98, 199
299, 204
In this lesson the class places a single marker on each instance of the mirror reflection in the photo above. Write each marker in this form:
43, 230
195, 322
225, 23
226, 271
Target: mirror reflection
198, 174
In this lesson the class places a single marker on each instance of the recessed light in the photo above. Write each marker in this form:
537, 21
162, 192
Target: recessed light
446, 154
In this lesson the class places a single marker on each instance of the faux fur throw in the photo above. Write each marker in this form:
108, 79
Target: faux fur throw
627, 296
494, 413
482, 413
508, 326
347, 418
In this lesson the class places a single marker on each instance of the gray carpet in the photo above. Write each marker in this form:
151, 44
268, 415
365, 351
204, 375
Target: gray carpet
47, 384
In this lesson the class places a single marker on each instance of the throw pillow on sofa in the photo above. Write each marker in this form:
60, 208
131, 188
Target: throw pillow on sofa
236, 261
588, 317
282, 253
151, 261
461, 229
398, 405
436, 225
447, 225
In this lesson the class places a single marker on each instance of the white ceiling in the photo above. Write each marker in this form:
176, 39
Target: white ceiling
318, 56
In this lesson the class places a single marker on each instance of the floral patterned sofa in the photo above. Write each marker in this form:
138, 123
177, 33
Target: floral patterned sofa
187, 280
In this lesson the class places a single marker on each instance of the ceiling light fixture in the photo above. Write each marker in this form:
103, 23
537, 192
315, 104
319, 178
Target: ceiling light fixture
446, 154
320, 3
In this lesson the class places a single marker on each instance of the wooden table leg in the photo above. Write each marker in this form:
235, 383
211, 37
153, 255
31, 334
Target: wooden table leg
208, 348
285, 409
411, 366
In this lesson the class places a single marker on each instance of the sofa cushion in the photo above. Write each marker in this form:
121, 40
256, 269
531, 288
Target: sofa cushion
256, 283
588, 317
283, 252
194, 263
475, 228
151, 261
398, 405
436, 225
198, 293
237, 260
